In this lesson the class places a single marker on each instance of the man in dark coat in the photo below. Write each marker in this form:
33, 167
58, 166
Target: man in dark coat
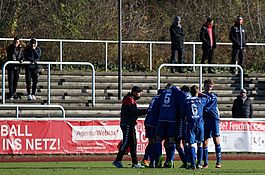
238, 37
32, 54
177, 43
14, 53
242, 106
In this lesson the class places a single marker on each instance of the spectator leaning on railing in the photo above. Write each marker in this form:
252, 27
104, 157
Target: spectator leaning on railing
15, 52
32, 54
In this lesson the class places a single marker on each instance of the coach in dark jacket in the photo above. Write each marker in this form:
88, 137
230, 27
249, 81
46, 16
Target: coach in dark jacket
177, 43
238, 38
208, 39
242, 106
129, 115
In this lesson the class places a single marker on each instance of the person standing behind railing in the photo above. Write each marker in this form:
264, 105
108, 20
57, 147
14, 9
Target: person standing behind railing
15, 52
177, 44
32, 54
208, 39
238, 37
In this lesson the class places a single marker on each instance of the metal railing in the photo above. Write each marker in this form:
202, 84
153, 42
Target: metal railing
49, 77
17, 106
107, 42
200, 71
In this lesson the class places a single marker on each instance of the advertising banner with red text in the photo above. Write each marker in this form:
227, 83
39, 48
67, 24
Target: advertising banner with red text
33, 136
241, 136
63, 136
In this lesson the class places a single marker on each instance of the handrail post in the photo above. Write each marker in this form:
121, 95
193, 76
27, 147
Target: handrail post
17, 111
193, 55
3, 83
200, 78
49, 85
158, 76
93, 86
150, 56
61, 55
241, 76
106, 56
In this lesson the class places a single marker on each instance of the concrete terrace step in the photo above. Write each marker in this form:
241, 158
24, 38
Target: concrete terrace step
72, 90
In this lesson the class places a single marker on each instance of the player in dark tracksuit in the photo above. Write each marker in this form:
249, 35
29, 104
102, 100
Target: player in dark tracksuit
15, 52
129, 115
32, 54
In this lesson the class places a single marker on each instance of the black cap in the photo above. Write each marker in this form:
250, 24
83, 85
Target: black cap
243, 91
177, 18
16, 38
136, 89
239, 18
33, 41
209, 19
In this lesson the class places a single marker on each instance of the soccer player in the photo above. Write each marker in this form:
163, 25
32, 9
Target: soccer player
195, 131
167, 126
211, 124
150, 123
129, 115
181, 127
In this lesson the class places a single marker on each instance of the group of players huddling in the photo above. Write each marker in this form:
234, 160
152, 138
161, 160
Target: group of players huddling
182, 118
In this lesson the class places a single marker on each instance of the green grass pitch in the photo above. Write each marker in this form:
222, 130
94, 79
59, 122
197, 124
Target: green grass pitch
230, 167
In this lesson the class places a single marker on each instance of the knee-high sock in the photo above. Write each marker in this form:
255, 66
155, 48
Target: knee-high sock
147, 152
205, 155
158, 150
192, 155
152, 154
182, 155
218, 153
170, 151
186, 151
199, 155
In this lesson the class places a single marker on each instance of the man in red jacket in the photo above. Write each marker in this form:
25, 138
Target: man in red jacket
129, 115
207, 36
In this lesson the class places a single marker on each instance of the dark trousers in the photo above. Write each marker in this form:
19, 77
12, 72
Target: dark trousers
174, 51
237, 53
13, 77
128, 140
31, 74
207, 54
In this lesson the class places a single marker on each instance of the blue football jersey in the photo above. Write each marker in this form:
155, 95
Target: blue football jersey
211, 109
181, 100
169, 101
194, 108
152, 112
